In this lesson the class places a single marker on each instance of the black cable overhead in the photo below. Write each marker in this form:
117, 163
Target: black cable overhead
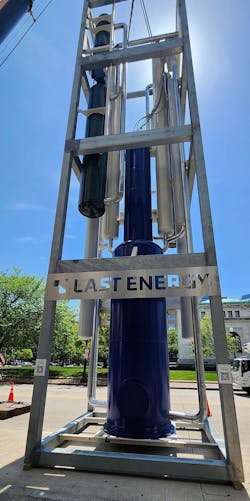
144, 10
145, 14
130, 17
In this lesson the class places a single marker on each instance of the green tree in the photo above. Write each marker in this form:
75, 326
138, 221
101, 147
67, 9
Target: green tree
80, 346
104, 330
172, 343
65, 340
25, 354
21, 302
208, 341
232, 344
207, 336
21, 306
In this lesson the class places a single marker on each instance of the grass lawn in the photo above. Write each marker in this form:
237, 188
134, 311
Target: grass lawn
179, 375
56, 372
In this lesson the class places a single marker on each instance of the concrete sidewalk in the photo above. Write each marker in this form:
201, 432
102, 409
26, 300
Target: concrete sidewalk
192, 385
65, 484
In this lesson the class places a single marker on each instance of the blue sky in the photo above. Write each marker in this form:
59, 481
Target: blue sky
36, 85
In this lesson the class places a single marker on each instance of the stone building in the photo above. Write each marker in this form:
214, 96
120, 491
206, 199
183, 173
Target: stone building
237, 322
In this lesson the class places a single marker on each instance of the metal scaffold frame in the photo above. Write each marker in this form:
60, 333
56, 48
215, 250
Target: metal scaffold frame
145, 457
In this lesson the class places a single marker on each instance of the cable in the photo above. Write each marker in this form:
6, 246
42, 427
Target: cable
25, 33
144, 10
130, 18
156, 110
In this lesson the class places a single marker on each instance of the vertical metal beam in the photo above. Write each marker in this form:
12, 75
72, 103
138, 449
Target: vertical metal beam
226, 393
46, 335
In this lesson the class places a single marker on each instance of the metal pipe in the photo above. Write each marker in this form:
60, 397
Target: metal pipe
163, 181
194, 301
92, 378
86, 314
115, 170
189, 306
148, 117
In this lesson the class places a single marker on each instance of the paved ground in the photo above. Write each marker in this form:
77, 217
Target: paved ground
64, 403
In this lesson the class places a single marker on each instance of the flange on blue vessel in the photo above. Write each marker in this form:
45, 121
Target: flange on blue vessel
138, 357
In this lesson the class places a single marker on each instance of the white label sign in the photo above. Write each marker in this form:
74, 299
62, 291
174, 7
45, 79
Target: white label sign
40, 367
224, 373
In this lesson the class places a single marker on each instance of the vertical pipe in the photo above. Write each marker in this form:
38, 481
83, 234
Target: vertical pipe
179, 202
116, 96
85, 329
164, 191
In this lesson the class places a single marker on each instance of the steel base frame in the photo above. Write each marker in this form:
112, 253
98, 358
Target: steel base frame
69, 447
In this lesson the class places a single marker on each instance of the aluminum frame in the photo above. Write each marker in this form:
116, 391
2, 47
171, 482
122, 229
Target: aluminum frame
40, 452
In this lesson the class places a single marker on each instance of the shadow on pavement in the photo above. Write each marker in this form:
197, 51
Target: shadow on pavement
64, 484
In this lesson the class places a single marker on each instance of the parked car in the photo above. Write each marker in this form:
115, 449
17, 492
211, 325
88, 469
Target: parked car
16, 362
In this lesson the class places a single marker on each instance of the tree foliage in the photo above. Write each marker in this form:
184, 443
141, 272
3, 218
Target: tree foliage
207, 337
25, 354
208, 341
172, 343
21, 302
21, 306
103, 352
67, 346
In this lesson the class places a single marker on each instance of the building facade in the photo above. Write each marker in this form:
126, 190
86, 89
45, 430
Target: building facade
237, 322
236, 315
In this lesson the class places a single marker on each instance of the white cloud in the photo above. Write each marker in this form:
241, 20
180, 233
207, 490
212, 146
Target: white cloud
69, 236
26, 206
24, 240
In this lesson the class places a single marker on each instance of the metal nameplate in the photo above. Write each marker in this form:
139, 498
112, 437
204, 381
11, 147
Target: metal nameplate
117, 284
40, 367
224, 373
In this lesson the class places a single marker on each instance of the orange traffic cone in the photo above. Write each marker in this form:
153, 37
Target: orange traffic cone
209, 413
11, 394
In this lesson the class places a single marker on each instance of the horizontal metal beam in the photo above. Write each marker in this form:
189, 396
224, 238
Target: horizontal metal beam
154, 38
71, 437
100, 3
136, 94
166, 48
148, 465
139, 139
132, 262
74, 426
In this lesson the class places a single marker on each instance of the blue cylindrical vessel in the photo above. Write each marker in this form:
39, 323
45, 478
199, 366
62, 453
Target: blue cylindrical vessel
137, 222
10, 14
94, 167
138, 358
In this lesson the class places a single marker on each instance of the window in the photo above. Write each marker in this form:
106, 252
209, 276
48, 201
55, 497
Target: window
237, 314
236, 365
245, 367
230, 314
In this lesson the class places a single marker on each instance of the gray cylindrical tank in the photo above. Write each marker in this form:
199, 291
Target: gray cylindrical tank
10, 13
